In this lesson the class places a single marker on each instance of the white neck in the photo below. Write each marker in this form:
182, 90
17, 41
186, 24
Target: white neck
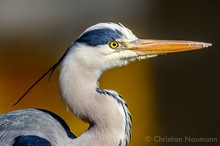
108, 116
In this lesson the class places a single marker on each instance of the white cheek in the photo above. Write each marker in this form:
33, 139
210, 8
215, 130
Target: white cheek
117, 59
145, 57
126, 54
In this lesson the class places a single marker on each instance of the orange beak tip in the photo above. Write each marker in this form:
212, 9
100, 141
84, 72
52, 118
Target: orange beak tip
157, 47
206, 45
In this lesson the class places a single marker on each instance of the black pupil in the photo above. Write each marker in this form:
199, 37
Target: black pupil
114, 44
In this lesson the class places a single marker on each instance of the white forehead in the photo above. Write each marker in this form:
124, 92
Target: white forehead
125, 31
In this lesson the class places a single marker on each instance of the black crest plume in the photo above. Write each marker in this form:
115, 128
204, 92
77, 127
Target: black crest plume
51, 70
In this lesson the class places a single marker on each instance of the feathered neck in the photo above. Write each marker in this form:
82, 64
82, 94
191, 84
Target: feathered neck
104, 110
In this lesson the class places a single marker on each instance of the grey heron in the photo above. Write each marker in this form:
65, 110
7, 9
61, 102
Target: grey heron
99, 48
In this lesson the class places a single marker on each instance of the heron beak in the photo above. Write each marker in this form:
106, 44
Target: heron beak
145, 47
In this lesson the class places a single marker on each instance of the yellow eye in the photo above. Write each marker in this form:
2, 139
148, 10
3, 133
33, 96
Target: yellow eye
113, 44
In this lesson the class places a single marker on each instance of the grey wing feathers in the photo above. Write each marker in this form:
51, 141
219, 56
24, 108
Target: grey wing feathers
30, 122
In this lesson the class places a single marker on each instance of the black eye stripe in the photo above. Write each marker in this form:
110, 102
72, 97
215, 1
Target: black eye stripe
100, 36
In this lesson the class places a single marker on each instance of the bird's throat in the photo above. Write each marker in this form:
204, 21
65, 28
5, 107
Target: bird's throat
106, 116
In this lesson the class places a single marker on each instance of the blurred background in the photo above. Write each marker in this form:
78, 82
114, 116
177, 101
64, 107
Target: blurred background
174, 95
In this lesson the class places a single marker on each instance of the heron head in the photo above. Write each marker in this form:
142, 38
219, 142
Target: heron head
108, 45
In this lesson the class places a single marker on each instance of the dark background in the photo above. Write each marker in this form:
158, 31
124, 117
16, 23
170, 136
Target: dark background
188, 83
170, 95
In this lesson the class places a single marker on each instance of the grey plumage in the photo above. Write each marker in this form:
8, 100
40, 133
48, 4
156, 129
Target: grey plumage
30, 122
